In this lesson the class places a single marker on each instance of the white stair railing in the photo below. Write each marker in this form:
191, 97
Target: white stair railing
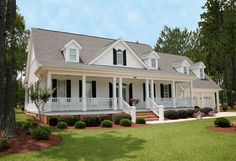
157, 109
128, 109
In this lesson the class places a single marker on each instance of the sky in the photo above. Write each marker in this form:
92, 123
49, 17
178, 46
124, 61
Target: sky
132, 20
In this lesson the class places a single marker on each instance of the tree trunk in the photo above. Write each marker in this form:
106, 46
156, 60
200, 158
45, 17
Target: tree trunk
10, 126
2, 48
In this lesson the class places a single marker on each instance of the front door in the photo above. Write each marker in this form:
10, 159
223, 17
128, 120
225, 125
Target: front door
123, 93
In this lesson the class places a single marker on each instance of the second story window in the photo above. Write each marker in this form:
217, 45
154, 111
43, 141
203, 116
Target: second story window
153, 63
119, 57
72, 54
201, 73
185, 70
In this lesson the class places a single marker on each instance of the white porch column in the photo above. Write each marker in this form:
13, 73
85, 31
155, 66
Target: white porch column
217, 101
173, 94
191, 92
48, 105
114, 94
49, 80
84, 93
152, 90
120, 93
202, 104
147, 93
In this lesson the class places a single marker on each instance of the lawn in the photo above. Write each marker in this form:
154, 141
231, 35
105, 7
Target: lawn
185, 141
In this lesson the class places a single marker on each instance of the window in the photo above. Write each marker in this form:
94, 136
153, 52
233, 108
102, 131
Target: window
201, 73
88, 89
185, 70
153, 63
119, 57
73, 54
166, 91
61, 88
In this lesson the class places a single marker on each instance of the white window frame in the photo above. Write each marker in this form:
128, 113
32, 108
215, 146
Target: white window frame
153, 63
201, 73
89, 93
185, 68
166, 91
61, 91
120, 60
72, 51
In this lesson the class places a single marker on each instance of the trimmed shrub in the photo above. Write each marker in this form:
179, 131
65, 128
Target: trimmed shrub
106, 123
29, 126
40, 134
80, 125
222, 122
119, 117
53, 121
46, 129
140, 121
225, 108
62, 125
171, 114
4, 143
182, 114
105, 117
206, 110
91, 120
70, 120
125, 122
190, 112
196, 108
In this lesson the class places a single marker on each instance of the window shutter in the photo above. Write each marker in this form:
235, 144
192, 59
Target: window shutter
110, 90
114, 57
162, 90
130, 90
54, 86
94, 89
124, 58
170, 94
154, 90
144, 92
80, 88
68, 88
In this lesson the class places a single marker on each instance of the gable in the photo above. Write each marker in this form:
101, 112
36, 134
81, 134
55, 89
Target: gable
106, 56
66, 50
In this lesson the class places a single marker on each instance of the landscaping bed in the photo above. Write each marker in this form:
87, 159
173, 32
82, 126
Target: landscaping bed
25, 144
221, 129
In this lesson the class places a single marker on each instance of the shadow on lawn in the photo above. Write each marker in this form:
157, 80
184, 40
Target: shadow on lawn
107, 146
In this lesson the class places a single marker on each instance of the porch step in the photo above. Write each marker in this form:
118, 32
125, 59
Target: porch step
149, 115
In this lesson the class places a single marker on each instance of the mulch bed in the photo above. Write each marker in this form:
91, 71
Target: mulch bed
225, 130
72, 128
24, 144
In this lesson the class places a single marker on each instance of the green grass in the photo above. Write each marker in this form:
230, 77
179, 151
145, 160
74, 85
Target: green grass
185, 141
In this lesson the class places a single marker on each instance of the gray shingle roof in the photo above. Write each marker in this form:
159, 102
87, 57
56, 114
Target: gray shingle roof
47, 45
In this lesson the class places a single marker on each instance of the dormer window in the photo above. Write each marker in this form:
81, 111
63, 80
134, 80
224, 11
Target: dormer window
119, 57
185, 70
72, 54
201, 73
153, 63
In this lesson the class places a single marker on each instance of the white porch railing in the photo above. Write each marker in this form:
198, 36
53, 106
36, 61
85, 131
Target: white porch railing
76, 104
99, 103
127, 109
167, 102
157, 109
173, 102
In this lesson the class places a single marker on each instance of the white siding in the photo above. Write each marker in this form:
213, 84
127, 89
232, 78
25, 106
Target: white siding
107, 58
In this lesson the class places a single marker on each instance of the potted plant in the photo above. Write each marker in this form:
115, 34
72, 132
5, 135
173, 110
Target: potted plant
133, 101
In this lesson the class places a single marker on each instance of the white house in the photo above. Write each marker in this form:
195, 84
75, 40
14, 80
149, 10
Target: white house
95, 75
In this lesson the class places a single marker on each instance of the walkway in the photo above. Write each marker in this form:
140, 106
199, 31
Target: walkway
220, 114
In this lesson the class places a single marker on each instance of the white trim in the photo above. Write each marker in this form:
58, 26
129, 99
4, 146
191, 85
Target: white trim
147, 55
182, 64
127, 46
71, 42
200, 65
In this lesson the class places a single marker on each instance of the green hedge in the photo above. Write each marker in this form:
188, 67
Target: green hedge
106, 123
140, 121
119, 117
40, 134
62, 125
80, 125
222, 122
125, 122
